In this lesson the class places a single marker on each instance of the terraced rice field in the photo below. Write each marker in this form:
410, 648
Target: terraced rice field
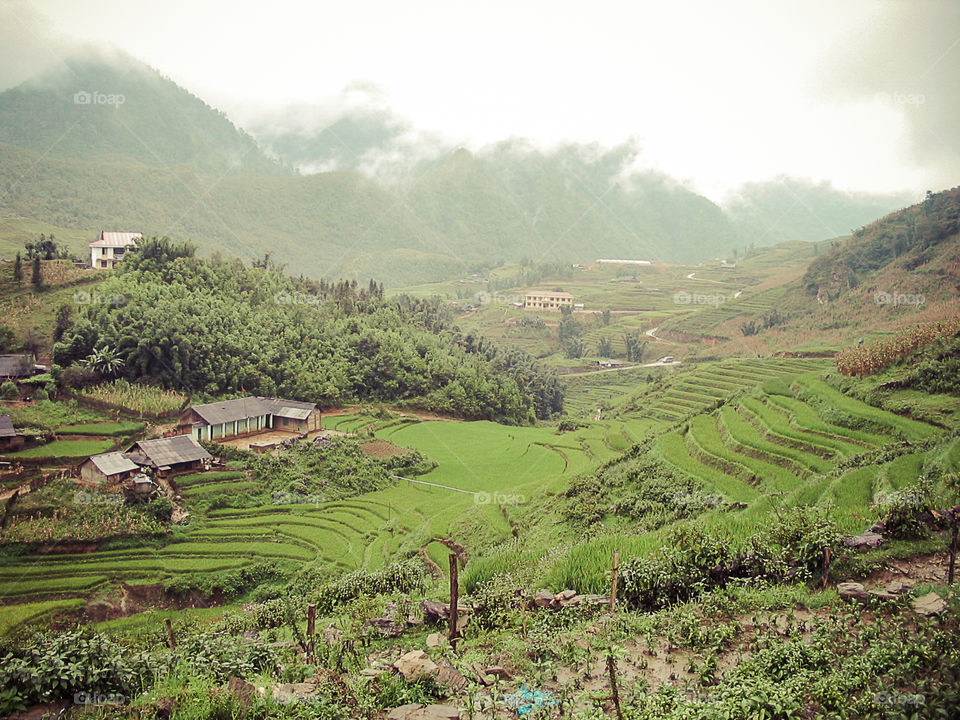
704, 388
505, 465
707, 321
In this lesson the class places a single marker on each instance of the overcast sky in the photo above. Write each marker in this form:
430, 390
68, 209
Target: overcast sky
864, 94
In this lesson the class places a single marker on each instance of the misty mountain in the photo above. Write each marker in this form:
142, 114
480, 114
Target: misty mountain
794, 209
117, 109
109, 143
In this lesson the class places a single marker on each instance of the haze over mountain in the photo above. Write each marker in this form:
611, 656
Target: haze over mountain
382, 198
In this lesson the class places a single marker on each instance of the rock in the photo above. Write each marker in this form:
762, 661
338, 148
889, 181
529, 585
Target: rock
250, 636
448, 676
287, 693
867, 539
543, 598
424, 712
413, 620
884, 595
497, 672
384, 626
332, 636
898, 587
241, 690
165, 707
929, 604
414, 664
853, 591
372, 672
567, 595
435, 640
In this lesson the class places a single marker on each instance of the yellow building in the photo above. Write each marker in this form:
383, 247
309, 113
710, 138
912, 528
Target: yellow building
547, 300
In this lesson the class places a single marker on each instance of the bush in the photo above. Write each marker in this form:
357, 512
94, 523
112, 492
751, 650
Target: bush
9, 391
161, 508
402, 577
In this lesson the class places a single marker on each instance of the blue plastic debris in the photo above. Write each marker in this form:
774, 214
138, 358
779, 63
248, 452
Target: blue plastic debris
528, 701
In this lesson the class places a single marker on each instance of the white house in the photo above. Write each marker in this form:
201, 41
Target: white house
111, 248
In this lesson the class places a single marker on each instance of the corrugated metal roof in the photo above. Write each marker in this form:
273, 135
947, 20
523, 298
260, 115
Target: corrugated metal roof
117, 239
172, 450
113, 462
16, 365
6, 427
229, 411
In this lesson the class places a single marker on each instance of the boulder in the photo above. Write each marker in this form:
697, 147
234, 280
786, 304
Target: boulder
898, 587
543, 598
448, 676
867, 539
287, 693
384, 626
414, 664
435, 640
853, 591
929, 604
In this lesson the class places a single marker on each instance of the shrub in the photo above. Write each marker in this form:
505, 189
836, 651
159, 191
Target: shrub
161, 508
9, 391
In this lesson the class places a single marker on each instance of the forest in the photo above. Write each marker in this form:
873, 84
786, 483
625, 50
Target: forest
218, 327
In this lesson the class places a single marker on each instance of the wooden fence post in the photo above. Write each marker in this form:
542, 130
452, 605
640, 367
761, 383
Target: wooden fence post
826, 567
311, 629
953, 545
171, 641
614, 571
454, 599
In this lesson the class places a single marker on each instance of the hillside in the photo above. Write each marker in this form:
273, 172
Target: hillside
115, 109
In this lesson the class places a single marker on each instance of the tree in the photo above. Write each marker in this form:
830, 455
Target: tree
635, 346
63, 322
605, 347
18, 269
606, 316
105, 361
37, 279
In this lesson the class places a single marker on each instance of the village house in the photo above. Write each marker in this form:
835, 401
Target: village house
111, 248
110, 468
169, 455
10, 439
15, 367
248, 416
547, 300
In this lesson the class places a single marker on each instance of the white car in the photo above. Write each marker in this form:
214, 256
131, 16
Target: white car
666, 360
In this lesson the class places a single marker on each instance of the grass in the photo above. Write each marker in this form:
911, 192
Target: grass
65, 449
137, 397
17, 616
108, 429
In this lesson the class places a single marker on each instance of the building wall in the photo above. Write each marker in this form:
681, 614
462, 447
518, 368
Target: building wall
104, 258
546, 301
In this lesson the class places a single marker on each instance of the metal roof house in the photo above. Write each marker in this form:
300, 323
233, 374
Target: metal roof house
111, 248
247, 416
10, 439
14, 367
169, 454
111, 468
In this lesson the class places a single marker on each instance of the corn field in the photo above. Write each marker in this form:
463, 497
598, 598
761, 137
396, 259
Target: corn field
865, 360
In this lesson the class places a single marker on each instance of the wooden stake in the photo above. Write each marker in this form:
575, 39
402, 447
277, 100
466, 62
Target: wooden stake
953, 546
454, 599
612, 670
171, 642
311, 628
614, 571
826, 567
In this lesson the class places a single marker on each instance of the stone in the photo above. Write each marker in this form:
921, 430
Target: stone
497, 672
929, 604
898, 587
372, 672
867, 539
384, 626
853, 591
543, 598
884, 595
567, 595
414, 664
424, 712
287, 693
241, 690
435, 640
448, 676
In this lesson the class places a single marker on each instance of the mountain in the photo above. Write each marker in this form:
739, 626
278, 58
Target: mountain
786, 209
106, 142
116, 109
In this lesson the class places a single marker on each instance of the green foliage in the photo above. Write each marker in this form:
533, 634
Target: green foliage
327, 343
161, 508
9, 391
315, 585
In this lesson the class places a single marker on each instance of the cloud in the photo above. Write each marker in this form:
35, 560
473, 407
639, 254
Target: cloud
907, 61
